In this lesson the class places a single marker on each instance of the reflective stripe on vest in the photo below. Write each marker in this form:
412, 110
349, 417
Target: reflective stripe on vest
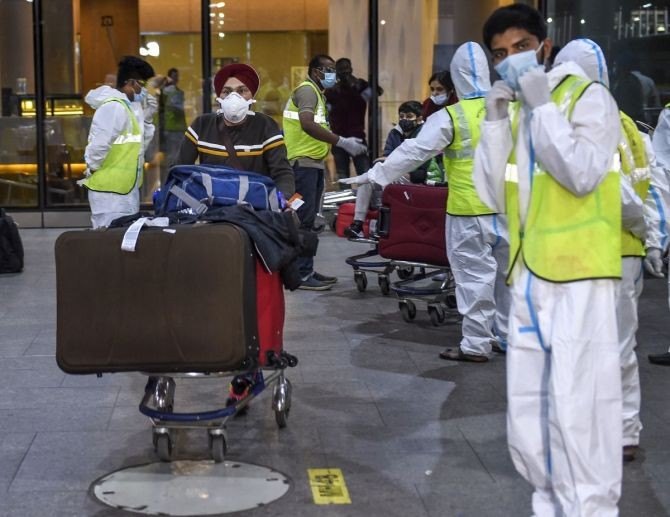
635, 165
466, 116
122, 168
566, 237
298, 143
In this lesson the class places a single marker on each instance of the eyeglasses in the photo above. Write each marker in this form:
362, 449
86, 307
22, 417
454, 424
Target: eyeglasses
242, 90
141, 82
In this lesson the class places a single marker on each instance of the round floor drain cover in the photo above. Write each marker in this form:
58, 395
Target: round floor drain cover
191, 488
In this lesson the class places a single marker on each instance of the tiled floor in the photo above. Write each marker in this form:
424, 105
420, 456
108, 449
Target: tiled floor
414, 435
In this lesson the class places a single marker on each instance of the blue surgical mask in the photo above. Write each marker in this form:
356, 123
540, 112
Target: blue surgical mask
513, 67
139, 97
440, 100
329, 79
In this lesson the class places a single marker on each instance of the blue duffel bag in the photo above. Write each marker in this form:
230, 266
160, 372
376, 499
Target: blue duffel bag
201, 187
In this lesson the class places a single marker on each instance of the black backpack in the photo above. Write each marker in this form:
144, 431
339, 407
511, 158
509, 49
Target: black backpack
11, 247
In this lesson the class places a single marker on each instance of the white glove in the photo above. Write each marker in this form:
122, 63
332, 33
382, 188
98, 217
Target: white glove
653, 262
534, 88
149, 107
354, 146
497, 101
359, 180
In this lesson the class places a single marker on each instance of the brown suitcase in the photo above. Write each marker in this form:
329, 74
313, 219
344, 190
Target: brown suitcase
184, 300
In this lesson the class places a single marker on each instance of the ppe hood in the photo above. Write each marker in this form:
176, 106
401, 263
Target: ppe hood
589, 56
96, 97
470, 71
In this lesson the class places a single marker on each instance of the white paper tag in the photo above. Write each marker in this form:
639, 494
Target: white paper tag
297, 203
133, 232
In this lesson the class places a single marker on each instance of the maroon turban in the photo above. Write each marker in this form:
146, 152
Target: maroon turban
244, 73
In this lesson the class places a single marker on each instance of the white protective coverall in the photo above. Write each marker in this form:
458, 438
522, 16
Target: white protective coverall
661, 145
477, 246
563, 374
649, 225
109, 121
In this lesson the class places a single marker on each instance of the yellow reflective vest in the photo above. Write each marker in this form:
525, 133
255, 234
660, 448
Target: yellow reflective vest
298, 143
467, 116
119, 172
565, 237
635, 165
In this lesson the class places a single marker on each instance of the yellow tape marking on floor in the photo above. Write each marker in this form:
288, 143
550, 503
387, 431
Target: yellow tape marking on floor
328, 486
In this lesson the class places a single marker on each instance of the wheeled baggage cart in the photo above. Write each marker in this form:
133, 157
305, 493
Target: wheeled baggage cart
412, 236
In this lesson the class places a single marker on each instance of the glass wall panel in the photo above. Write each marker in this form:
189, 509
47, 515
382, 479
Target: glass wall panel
176, 59
634, 38
18, 131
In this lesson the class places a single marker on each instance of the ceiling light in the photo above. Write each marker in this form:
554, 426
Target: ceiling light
383, 22
582, 21
549, 20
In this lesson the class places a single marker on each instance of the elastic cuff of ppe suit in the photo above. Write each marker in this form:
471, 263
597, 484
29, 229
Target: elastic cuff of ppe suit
484, 349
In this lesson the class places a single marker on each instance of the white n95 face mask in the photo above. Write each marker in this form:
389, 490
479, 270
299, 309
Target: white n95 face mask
234, 107
514, 66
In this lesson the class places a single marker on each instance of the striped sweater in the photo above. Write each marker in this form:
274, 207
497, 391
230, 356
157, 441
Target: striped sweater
258, 143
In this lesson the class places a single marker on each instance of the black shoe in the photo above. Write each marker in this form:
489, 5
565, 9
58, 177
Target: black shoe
355, 230
325, 279
663, 359
312, 284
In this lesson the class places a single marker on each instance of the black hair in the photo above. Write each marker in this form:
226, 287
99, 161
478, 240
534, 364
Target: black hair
172, 71
515, 16
343, 60
410, 107
444, 78
315, 62
131, 67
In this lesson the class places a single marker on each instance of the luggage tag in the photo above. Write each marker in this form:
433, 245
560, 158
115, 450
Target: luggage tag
133, 232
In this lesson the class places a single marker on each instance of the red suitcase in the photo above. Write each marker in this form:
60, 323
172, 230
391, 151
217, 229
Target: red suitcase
345, 216
412, 224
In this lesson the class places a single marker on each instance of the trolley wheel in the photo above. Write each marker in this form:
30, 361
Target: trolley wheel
436, 314
292, 361
163, 445
217, 446
404, 272
361, 280
284, 401
408, 310
384, 284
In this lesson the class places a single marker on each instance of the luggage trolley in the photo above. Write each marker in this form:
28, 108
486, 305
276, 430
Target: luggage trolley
440, 299
366, 263
158, 405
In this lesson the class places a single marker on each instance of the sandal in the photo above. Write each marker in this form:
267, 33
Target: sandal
456, 354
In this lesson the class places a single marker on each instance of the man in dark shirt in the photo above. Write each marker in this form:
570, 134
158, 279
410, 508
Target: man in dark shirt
347, 108
258, 142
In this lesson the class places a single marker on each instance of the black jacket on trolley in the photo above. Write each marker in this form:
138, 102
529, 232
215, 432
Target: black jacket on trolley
275, 235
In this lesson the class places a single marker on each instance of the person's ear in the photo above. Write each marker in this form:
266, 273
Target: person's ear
419, 119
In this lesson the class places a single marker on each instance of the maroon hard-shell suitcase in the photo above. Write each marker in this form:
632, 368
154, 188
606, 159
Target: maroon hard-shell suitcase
412, 224
184, 300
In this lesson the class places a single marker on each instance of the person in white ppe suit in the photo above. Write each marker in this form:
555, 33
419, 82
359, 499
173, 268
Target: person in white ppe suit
638, 163
548, 162
120, 131
661, 145
476, 235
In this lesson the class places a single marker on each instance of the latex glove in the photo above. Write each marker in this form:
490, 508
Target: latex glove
534, 88
497, 101
354, 146
149, 107
359, 180
653, 262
